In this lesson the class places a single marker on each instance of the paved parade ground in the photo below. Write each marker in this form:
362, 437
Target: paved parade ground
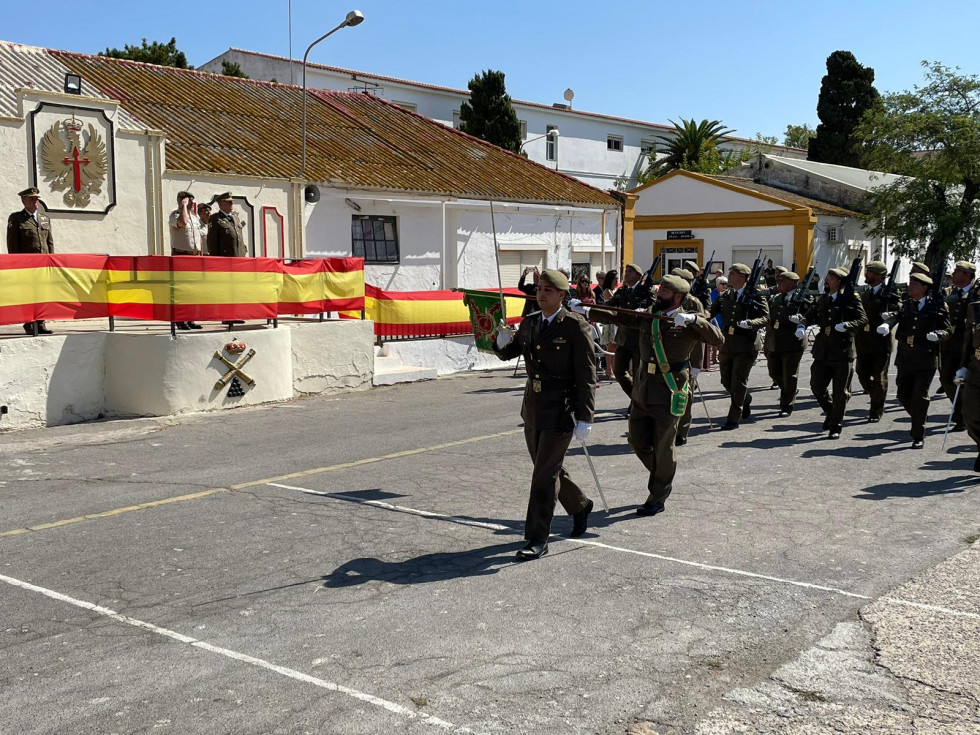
345, 564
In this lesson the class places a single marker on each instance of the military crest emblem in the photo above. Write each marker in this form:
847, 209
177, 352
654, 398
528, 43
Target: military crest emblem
74, 160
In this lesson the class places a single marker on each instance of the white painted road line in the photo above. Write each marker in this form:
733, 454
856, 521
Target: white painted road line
244, 658
647, 554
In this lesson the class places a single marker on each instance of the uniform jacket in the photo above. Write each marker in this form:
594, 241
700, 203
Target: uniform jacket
740, 341
649, 386
957, 306
970, 357
638, 297
781, 332
825, 314
912, 324
23, 236
562, 357
225, 236
867, 341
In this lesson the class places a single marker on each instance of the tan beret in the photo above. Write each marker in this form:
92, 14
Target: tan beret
692, 266
966, 265
675, 284
635, 267
683, 273
920, 268
840, 272
556, 278
781, 269
789, 274
740, 268
876, 266
921, 278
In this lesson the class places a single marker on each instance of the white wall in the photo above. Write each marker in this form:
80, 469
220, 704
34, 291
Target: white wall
724, 240
682, 194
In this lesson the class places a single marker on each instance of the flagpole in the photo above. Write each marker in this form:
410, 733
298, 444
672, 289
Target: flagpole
496, 255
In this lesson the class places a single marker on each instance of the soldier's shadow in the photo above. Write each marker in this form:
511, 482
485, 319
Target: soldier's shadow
917, 489
601, 450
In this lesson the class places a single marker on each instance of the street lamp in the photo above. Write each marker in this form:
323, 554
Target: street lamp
553, 131
354, 17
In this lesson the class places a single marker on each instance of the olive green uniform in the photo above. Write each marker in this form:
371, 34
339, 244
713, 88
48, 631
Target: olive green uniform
783, 349
25, 236
917, 358
874, 351
627, 340
970, 359
952, 349
652, 425
693, 305
225, 236
833, 353
737, 355
560, 390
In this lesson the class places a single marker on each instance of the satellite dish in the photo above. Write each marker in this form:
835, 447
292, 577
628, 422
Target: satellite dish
311, 193
569, 95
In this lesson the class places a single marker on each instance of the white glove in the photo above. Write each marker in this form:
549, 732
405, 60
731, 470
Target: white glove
576, 306
801, 332
932, 337
796, 318
504, 337
744, 324
840, 327
960, 376
883, 329
695, 372
682, 320
582, 431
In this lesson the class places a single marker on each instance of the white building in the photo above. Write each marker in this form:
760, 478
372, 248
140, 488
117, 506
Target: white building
605, 151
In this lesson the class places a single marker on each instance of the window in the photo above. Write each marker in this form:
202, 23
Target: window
614, 143
410, 106
457, 120
374, 238
523, 129
552, 151
834, 234
647, 146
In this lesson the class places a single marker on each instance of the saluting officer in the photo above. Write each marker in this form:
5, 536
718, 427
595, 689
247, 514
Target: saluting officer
968, 376
559, 402
952, 349
837, 317
920, 328
225, 230
874, 348
29, 232
632, 294
662, 385
784, 347
742, 341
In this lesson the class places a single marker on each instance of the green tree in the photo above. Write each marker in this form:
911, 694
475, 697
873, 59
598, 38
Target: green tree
686, 146
489, 114
846, 92
931, 136
162, 54
231, 69
798, 136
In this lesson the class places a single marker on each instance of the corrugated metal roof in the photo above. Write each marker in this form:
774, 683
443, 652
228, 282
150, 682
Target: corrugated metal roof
857, 178
816, 205
30, 66
228, 125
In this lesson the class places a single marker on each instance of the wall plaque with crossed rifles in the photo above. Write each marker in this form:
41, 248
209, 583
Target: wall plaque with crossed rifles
235, 347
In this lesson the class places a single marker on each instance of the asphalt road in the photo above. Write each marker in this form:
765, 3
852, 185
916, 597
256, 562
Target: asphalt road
345, 564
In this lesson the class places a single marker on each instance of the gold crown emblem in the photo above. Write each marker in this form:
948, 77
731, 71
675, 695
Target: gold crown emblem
236, 347
73, 125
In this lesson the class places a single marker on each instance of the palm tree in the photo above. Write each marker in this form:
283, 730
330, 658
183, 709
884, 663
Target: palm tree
685, 146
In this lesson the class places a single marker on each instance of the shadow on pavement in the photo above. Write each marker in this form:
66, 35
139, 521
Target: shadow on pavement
943, 486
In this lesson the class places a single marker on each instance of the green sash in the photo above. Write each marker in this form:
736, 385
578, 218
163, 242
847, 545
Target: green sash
678, 396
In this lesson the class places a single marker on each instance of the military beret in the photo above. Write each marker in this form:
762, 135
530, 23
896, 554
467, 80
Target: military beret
30, 192
740, 268
876, 266
692, 266
966, 265
781, 269
683, 273
839, 272
920, 268
921, 277
556, 278
789, 274
675, 284
226, 197
635, 267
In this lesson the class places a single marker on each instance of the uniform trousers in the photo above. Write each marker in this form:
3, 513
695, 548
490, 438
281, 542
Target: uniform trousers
913, 394
735, 371
970, 399
948, 363
623, 360
872, 372
549, 482
837, 373
652, 433
784, 369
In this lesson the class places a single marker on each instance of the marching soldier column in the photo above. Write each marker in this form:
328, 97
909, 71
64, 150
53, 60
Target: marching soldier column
960, 294
874, 347
784, 346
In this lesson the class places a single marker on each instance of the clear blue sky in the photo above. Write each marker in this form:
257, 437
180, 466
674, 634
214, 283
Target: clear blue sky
756, 66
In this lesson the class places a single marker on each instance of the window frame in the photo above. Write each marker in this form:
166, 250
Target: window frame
612, 141
372, 258
551, 143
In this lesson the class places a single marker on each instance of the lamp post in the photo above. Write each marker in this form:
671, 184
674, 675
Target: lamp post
354, 17
553, 131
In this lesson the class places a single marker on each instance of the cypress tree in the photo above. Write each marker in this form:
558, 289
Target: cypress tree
489, 115
846, 92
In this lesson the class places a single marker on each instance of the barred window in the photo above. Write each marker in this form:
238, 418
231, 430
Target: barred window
374, 238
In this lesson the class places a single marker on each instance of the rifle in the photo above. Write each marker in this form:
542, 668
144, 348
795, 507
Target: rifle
699, 288
888, 291
647, 278
748, 291
934, 299
801, 288
847, 288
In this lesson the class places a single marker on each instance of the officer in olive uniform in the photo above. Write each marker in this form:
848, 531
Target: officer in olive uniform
559, 402
920, 328
632, 294
29, 232
662, 384
968, 376
742, 341
837, 316
225, 231
691, 303
952, 349
783, 346
874, 348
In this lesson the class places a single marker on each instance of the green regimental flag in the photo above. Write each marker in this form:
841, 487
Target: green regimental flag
486, 314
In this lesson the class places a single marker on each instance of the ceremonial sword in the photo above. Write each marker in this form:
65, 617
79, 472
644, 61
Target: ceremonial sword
950, 419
